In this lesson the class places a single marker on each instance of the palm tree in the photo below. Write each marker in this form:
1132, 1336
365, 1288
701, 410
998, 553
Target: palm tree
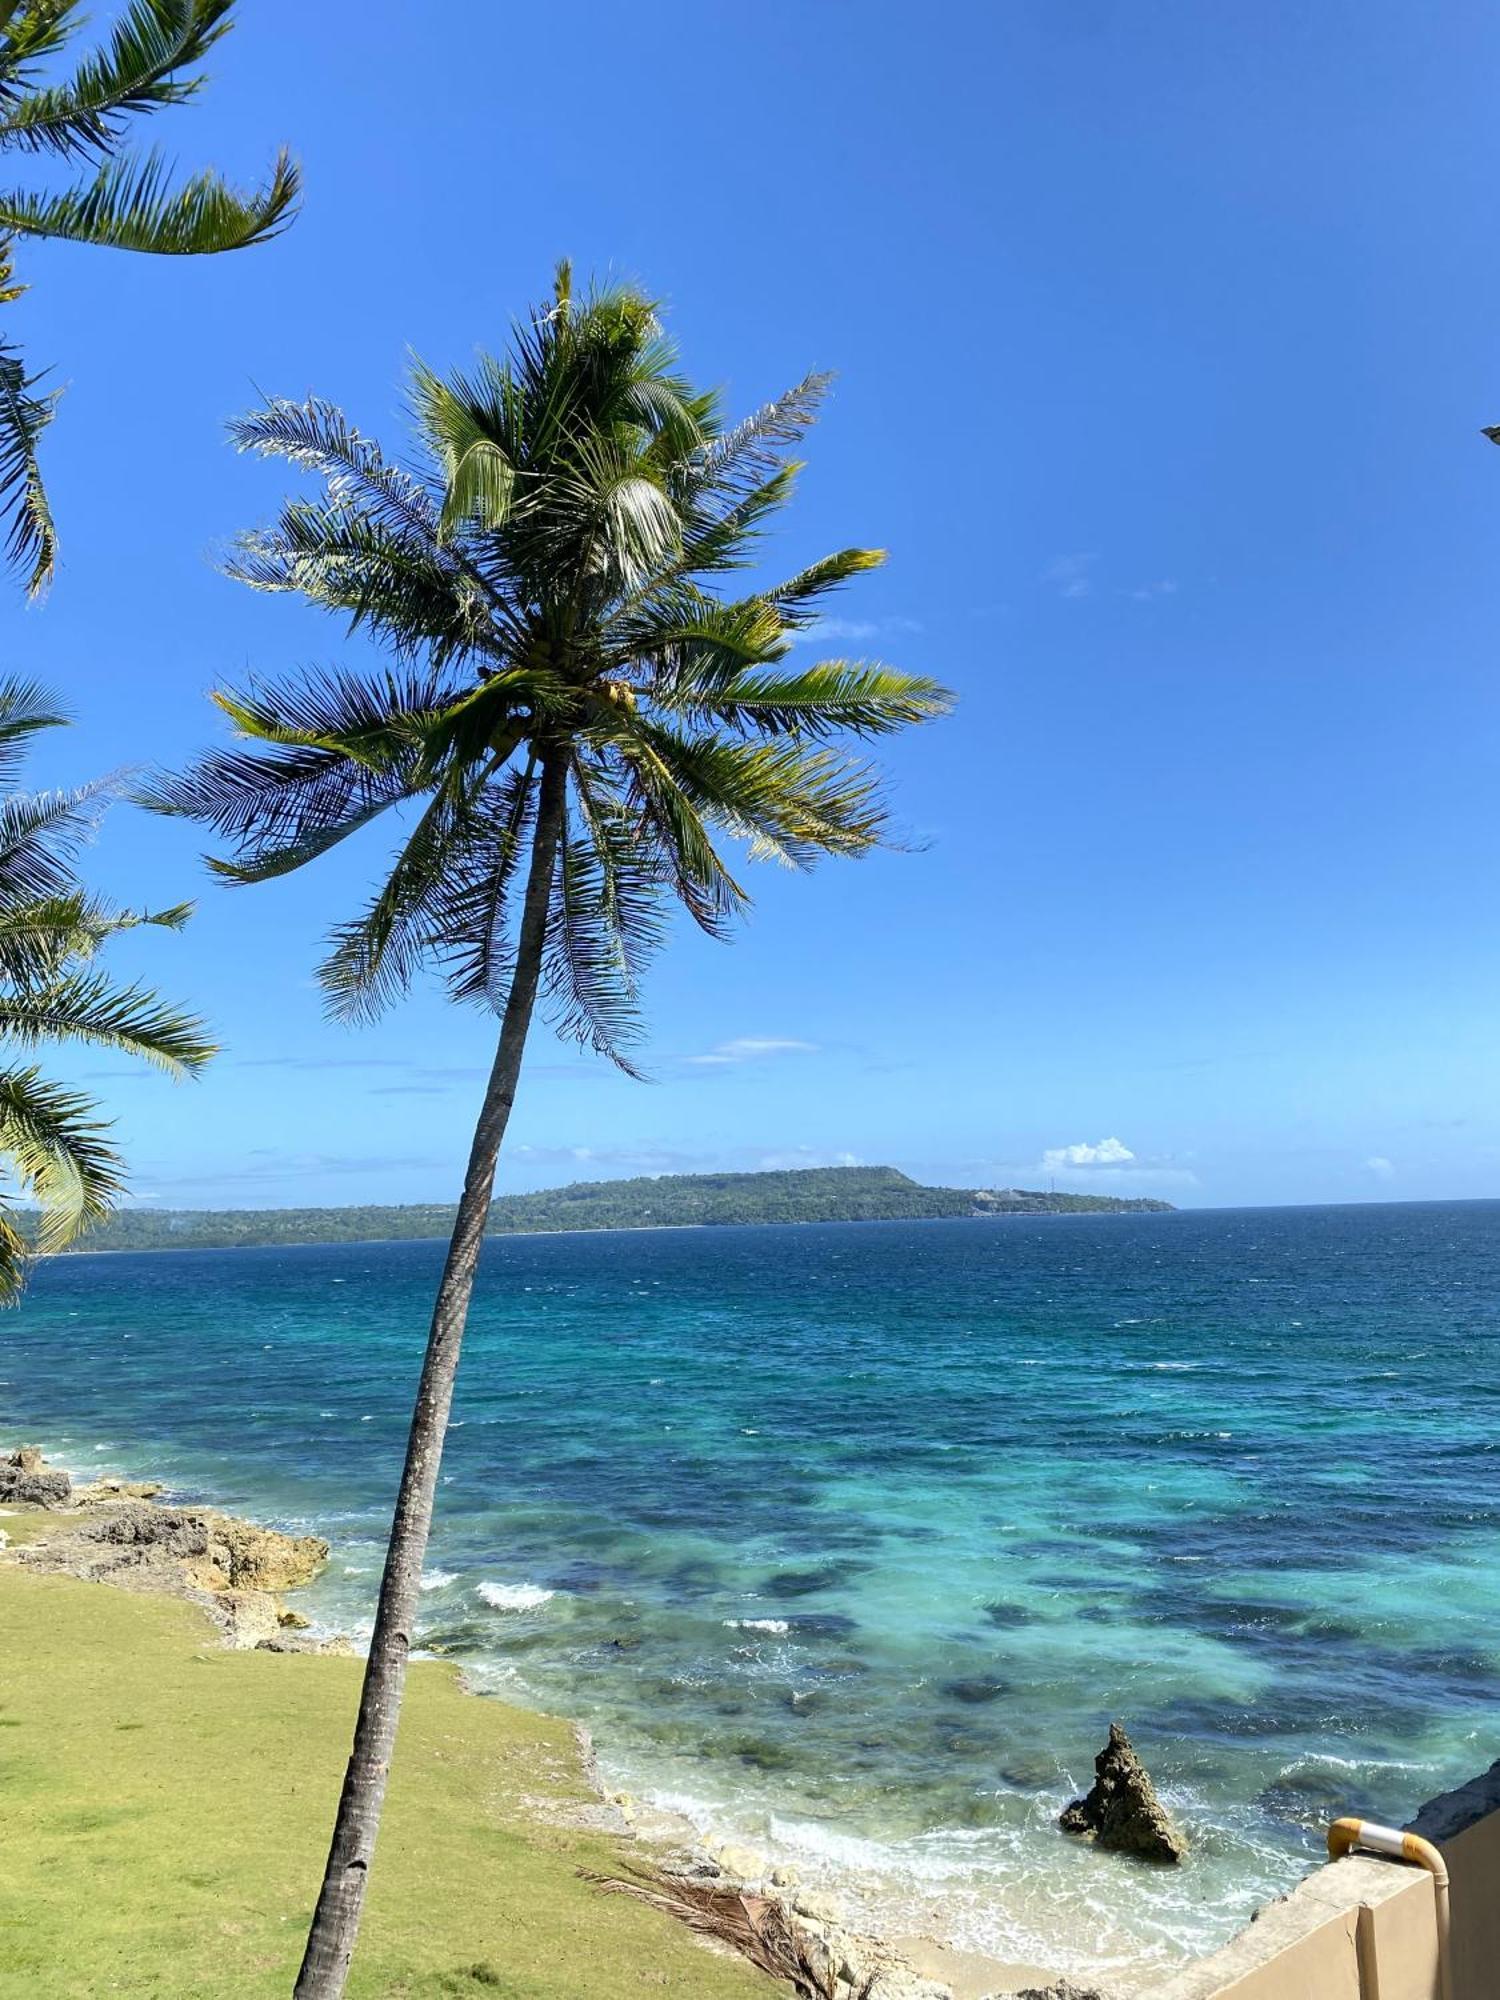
578, 716
53, 1143
123, 201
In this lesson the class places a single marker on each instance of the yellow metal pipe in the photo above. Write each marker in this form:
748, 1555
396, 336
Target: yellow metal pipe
1345, 1835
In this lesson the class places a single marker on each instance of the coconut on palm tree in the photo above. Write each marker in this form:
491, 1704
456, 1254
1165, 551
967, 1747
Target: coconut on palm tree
585, 727
63, 1171
120, 200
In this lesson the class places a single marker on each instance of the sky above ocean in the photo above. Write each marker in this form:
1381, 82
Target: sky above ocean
1164, 336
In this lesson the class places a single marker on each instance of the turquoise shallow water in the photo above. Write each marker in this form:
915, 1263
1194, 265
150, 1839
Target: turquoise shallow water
851, 1539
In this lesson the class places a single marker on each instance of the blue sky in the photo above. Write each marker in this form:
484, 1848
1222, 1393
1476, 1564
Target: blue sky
1164, 336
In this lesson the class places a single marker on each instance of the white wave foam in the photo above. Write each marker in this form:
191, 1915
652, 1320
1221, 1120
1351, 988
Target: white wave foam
1355, 1763
515, 1596
439, 1579
777, 1625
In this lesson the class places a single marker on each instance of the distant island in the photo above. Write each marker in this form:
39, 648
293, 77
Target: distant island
670, 1201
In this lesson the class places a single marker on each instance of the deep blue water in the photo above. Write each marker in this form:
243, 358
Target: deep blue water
853, 1538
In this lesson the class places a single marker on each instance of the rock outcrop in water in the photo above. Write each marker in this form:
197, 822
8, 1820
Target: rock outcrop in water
1121, 1811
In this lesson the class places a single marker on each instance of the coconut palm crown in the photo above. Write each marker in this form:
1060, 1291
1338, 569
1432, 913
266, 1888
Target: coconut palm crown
579, 723
55, 1148
118, 199
548, 586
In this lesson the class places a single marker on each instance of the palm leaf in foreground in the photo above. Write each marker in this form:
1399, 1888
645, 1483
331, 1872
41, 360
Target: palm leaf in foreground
119, 201
757, 1927
31, 543
54, 1144
587, 733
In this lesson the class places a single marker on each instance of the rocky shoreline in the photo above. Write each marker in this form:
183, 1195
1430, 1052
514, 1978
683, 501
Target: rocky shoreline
119, 1532
126, 1535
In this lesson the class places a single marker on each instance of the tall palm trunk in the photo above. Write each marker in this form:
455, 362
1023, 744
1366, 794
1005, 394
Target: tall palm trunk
335, 1924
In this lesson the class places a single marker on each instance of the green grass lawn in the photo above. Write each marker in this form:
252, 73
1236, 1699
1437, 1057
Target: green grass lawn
165, 1807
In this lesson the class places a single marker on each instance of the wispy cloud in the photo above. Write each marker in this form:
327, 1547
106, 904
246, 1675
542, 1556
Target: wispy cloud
854, 630
320, 1062
1077, 576
645, 1157
751, 1048
650, 1157
1107, 1153
792, 1157
1382, 1168
268, 1165
1071, 576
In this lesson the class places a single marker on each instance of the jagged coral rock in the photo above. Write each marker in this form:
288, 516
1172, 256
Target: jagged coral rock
1121, 1810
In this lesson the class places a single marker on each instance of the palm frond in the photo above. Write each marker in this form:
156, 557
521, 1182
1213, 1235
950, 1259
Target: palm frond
26, 707
89, 1007
797, 598
31, 543
471, 934
465, 432
339, 750
16, 1252
730, 538
40, 834
604, 923
376, 956
629, 521
747, 454
140, 70
54, 1143
40, 939
348, 562
316, 435
833, 698
791, 803
653, 793
130, 205
757, 1927
30, 31
690, 639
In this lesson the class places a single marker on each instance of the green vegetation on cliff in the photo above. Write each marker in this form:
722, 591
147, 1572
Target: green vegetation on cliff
164, 1814
809, 1194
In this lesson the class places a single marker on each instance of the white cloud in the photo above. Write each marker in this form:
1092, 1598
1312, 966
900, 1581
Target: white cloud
1069, 575
1382, 1168
1108, 1153
1164, 587
855, 629
752, 1048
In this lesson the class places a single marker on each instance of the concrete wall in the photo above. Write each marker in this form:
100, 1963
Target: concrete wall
1365, 1929
1466, 1825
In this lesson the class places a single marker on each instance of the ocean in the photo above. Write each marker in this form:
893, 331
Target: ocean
851, 1539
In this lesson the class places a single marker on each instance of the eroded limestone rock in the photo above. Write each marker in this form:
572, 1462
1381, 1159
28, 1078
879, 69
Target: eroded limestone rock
256, 1558
1062, 1989
1121, 1810
27, 1480
746, 1864
100, 1490
818, 1905
115, 1534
